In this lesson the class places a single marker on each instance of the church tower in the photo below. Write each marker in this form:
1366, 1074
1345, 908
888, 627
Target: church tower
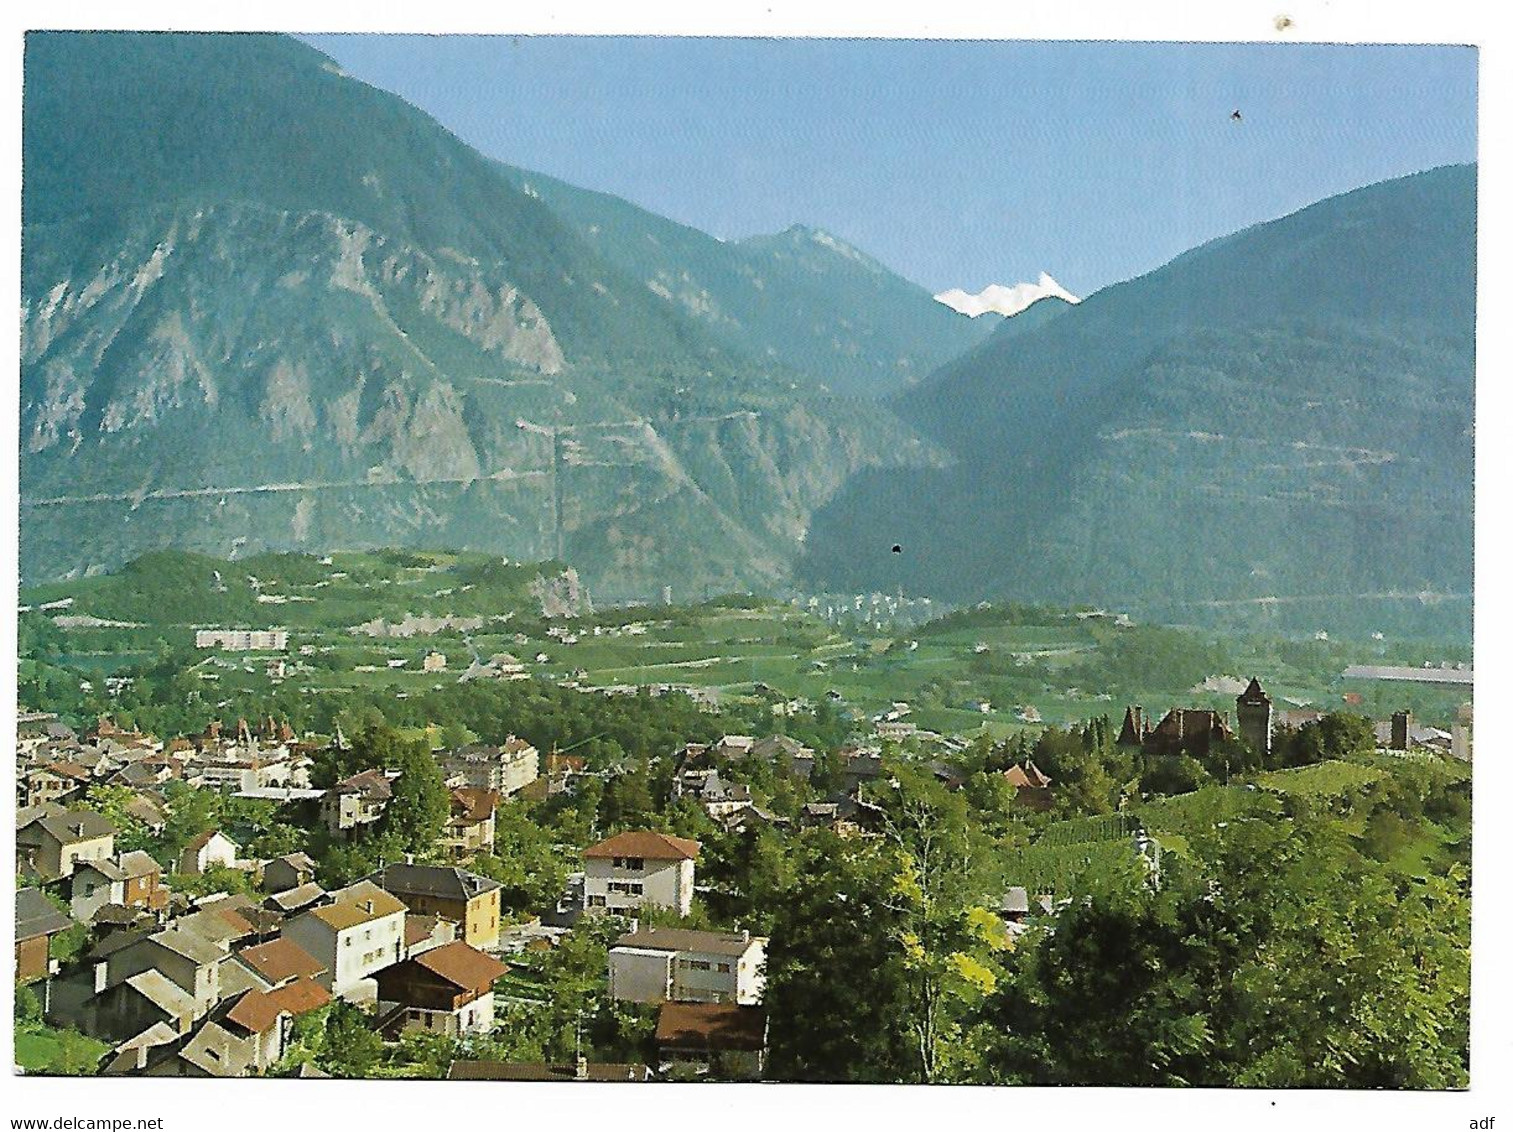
1253, 715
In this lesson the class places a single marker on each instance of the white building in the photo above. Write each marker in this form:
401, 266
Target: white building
362, 932
508, 768
211, 849
677, 965
640, 868
242, 640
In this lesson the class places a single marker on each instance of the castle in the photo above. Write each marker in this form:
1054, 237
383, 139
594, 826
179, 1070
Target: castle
1194, 731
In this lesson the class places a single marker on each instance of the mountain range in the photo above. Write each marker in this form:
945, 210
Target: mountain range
267, 306
1274, 428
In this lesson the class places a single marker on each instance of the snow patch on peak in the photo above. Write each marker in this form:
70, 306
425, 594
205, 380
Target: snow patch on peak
1007, 301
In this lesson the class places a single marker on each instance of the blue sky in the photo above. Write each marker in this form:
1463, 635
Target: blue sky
955, 163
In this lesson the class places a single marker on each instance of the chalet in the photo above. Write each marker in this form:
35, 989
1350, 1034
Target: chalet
706, 787
467, 899
844, 815
640, 868
749, 818
859, 765
728, 1040
789, 756
678, 965
37, 921
733, 747
447, 989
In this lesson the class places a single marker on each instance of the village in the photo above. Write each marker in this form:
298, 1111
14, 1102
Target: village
155, 928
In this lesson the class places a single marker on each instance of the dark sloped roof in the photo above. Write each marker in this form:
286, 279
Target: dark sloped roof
36, 916
372, 783
472, 804
139, 864
293, 899
505, 1071
439, 881
707, 1026
73, 826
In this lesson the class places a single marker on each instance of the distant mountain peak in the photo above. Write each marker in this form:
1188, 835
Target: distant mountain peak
802, 235
1005, 300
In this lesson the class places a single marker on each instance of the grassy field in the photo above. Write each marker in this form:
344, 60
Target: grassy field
1328, 779
998, 674
42, 1049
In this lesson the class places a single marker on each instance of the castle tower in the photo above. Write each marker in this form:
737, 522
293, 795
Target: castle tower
1402, 729
1132, 734
1253, 718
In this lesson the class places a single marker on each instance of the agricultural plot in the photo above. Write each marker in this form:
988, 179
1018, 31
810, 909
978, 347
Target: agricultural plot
1204, 808
1066, 869
1325, 780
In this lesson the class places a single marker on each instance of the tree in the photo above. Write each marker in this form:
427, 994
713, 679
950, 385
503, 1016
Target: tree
348, 1047
28, 1009
947, 942
417, 813
1278, 957
628, 799
525, 860
191, 812
836, 986
217, 878
68, 944
1108, 998
111, 801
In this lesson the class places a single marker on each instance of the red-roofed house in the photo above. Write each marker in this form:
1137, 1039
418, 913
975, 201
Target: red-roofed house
640, 868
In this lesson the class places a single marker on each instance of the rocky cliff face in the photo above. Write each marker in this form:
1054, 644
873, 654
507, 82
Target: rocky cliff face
240, 335
235, 378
